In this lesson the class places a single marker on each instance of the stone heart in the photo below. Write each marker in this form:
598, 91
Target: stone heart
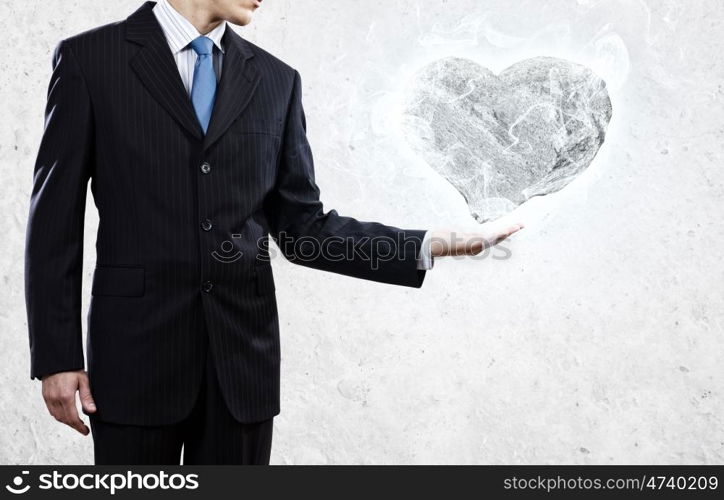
500, 140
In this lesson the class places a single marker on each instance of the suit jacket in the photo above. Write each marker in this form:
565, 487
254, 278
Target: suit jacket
185, 218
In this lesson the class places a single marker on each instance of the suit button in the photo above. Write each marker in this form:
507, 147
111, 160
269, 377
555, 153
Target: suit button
206, 225
207, 286
205, 168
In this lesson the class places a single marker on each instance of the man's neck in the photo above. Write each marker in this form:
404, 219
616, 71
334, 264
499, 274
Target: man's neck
198, 13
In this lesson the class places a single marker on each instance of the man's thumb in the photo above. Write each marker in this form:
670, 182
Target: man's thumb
86, 399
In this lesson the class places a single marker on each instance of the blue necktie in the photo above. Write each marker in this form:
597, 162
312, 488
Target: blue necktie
203, 90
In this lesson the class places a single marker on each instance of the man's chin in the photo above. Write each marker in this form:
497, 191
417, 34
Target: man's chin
241, 19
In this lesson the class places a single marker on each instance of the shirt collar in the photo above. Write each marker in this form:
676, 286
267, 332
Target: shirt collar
179, 31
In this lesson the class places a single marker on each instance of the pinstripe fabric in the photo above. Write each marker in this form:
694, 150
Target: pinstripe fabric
118, 115
209, 436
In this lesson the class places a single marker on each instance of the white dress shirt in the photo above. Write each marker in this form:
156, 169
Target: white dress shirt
180, 32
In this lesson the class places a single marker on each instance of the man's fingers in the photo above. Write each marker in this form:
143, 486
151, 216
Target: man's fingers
508, 231
515, 228
512, 228
493, 236
63, 409
55, 409
444, 243
71, 418
86, 398
59, 395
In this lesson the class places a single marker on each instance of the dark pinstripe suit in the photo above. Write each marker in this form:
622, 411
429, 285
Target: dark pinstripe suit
180, 248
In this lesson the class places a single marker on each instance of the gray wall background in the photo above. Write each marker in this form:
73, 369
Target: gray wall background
599, 341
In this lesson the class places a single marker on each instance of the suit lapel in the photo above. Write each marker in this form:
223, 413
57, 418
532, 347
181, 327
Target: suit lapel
239, 80
155, 66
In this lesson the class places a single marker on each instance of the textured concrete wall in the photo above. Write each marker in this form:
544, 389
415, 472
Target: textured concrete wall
598, 341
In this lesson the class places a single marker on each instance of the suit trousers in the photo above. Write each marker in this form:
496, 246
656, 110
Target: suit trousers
209, 435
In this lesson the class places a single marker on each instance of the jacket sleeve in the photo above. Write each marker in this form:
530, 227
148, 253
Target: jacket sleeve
54, 237
311, 237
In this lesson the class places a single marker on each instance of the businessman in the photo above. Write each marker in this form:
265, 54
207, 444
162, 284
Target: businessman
193, 141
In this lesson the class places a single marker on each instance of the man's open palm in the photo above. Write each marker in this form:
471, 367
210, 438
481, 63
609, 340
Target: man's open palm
451, 243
